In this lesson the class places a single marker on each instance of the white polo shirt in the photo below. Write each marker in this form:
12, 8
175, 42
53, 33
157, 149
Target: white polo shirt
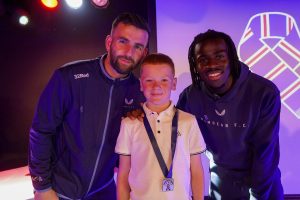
145, 176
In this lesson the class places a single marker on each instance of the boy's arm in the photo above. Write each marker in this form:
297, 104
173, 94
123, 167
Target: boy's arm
197, 177
123, 188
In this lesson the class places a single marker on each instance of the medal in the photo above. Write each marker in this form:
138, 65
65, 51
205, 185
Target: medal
168, 184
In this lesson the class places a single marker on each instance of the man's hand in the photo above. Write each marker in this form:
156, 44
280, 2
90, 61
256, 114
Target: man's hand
138, 113
48, 195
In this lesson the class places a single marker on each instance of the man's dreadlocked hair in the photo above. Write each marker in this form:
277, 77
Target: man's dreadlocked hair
231, 51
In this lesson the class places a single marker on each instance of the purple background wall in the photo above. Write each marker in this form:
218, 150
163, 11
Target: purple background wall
273, 39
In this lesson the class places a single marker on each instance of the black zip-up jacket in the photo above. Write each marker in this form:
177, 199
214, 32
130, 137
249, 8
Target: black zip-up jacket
75, 127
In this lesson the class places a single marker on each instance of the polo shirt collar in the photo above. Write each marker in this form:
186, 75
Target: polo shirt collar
168, 112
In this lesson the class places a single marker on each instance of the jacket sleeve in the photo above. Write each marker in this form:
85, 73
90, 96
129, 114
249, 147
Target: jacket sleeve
48, 117
265, 143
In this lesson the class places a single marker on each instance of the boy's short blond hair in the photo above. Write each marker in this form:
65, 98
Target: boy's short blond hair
158, 58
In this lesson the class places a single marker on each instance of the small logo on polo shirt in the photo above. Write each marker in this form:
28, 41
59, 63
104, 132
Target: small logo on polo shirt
77, 76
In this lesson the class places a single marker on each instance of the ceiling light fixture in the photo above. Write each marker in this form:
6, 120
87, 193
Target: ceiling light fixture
101, 3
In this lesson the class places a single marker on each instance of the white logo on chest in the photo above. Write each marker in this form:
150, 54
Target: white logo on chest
128, 102
220, 113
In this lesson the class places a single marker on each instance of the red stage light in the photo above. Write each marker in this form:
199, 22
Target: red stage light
50, 3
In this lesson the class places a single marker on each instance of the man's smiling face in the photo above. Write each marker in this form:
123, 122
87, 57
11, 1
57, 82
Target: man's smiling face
212, 63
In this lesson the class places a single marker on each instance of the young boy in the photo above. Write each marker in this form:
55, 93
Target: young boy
160, 157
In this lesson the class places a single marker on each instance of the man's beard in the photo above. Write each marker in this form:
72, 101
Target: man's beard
118, 68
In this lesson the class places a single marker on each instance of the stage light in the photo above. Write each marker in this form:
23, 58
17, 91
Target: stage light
21, 16
50, 3
23, 20
75, 4
101, 3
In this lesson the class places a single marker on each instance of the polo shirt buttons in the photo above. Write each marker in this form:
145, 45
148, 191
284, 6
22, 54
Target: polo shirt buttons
158, 131
158, 121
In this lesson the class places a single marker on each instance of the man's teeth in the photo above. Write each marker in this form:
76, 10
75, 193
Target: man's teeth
214, 74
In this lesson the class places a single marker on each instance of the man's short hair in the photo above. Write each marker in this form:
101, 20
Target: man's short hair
131, 19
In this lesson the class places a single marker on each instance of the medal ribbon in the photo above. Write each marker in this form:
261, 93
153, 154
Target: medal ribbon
167, 173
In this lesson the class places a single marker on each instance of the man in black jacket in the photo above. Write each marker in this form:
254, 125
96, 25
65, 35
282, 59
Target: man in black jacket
78, 116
